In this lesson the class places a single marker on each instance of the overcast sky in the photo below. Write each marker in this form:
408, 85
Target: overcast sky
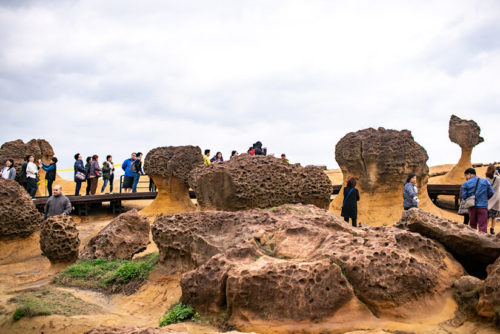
118, 76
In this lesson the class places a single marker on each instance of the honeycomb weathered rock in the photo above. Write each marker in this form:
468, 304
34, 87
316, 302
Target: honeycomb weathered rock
59, 239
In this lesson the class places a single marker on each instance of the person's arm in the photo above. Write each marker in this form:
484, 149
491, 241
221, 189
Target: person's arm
357, 195
46, 209
125, 165
67, 206
490, 190
464, 191
12, 174
31, 168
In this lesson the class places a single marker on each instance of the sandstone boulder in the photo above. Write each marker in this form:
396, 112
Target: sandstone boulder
301, 262
18, 215
259, 182
131, 330
124, 236
381, 160
169, 167
489, 295
474, 250
59, 239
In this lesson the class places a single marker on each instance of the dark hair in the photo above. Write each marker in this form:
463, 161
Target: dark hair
490, 172
207, 151
233, 152
95, 156
88, 159
54, 159
138, 154
76, 156
132, 153
351, 182
470, 171
410, 176
108, 156
11, 163
216, 154
28, 157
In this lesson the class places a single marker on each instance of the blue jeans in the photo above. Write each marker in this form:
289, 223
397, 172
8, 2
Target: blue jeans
136, 181
49, 186
106, 183
77, 188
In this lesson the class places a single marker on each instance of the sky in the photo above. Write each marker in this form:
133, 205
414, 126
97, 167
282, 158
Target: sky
118, 76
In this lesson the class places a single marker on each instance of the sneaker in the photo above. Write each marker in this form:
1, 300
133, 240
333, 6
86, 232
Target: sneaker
492, 231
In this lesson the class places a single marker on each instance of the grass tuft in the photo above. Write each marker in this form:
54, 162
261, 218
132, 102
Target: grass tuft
179, 313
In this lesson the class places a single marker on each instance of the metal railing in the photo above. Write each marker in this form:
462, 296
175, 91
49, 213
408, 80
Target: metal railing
150, 184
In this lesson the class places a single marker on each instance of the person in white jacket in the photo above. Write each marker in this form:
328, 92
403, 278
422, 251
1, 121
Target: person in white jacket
31, 176
494, 202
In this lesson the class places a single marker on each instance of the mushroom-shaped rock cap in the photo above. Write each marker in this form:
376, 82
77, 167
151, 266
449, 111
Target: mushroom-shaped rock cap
464, 133
176, 161
381, 158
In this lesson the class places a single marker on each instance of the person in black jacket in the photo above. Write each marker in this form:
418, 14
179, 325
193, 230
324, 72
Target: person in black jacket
50, 173
350, 204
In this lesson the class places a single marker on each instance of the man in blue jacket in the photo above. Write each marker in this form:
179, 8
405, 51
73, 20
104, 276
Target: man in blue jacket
482, 189
128, 180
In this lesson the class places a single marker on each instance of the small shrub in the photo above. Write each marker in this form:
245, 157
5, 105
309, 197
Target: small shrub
179, 313
18, 314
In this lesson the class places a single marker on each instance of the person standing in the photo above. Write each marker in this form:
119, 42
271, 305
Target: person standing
88, 162
206, 157
482, 190
8, 172
494, 202
350, 203
217, 158
50, 173
22, 175
108, 171
128, 179
410, 192
57, 204
283, 157
31, 176
79, 168
136, 169
95, 172
234, 154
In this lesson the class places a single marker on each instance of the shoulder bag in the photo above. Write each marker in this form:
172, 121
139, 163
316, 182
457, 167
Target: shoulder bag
470, 201
350, 191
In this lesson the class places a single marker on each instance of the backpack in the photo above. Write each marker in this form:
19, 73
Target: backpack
106, 168
133, 166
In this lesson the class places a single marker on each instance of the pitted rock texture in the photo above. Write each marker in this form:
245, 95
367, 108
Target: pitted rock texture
259, 182
474, 250
296, 247
489, 295
132, 330
124, 236
173, 161
464, 133
18, 215
18, 150
59, 239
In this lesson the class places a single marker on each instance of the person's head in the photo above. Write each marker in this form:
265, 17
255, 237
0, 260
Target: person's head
490, 172
207, 153
30, 158
132, 156
234, 153
138, 155
54, 160
95, 157
283, 156
469, 172
412, 178
351, 182
78, 156
89, 159
109, 158
9, 163
219, 155
27, 158
57, 190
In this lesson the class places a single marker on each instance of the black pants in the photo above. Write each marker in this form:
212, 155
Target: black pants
346, 218
31, 186
49, 186
87, 191
78, 187
466, 219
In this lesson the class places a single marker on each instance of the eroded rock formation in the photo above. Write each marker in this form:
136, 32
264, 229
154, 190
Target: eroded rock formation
381, 160
132, 330
259, 182
18, 215
489, 295
123, 237
59, 239
300, 262
466, 134
169, 167
474, 250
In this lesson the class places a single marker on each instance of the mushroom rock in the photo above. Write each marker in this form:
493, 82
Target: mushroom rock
381, 160
466, 135
59, 239
169, 167
300, 263
489, 295
246, 182
18, 215
122, 238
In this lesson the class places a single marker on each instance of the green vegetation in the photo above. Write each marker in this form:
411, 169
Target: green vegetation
179, 313
49, 301
110, 276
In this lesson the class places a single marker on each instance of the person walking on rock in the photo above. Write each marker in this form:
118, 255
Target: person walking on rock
57, 204
95, 172
108, 171
50, 173
494, 202
82, 174
350, 203
128, 179
136, 169
31, 176
8, 172
206, 157
88, 163
482, 190
410, 192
